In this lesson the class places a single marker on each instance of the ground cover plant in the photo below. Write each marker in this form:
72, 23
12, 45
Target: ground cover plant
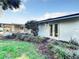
63, 49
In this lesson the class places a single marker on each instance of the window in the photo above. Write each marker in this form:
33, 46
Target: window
21, 28
51, 30
0, 25
56, 30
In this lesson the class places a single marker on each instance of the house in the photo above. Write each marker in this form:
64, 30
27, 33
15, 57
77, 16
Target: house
12, 28
61, 28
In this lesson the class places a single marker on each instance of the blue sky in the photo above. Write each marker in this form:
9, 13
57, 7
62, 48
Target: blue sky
40, 10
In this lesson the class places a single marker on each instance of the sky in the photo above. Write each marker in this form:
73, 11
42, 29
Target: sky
39, 10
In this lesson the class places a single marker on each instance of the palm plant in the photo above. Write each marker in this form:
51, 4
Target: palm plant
10, 4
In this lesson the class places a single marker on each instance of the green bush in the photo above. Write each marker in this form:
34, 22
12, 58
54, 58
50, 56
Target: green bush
73, 42
61, 54
62, 50
29, 38
23, 36
58, 53
38, 39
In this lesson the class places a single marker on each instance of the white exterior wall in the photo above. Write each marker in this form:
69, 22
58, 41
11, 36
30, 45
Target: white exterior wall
27, 30
44, 30
69, 30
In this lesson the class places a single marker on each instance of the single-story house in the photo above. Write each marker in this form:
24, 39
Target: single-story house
12, 28
61, 28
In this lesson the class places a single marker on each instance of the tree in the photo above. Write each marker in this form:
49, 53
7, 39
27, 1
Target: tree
10, 4
33, 25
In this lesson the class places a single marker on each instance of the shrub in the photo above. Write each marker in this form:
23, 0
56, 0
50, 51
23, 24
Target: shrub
63, 41
12, 36
58, 53
39, 39
36, 39
74, 56
72, 47
33, 25
61, 54
73, 42
18, 36
29, 38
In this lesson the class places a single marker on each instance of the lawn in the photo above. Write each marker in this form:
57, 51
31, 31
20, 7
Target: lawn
18, 50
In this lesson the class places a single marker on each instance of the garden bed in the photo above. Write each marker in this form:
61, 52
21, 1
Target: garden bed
50, 48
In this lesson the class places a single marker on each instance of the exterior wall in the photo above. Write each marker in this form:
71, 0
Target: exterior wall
6, 28
69, 30
44, 30
17, 28
12, 28
1, 30
28, 31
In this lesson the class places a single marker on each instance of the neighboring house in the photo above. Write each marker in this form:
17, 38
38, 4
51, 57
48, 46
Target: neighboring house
61, 28
28, 31
12, 28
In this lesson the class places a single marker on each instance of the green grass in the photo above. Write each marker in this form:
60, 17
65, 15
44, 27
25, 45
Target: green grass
14, 49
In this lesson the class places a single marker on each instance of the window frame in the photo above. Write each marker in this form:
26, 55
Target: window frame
56, 30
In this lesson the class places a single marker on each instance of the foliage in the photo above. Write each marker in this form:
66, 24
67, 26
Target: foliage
33, 25
72, 47
24, 37
61, 54
18, 36
10, 4
31, 38
57, 52
39, 39
12, 36
13, 49
64, 44
73, 42
62, 50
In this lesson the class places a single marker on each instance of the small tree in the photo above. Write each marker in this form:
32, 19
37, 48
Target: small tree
9, 4
33, 25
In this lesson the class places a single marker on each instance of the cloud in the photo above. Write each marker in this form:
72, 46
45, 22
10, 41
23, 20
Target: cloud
22, 20
1, 12
52, 15
17, 20
24, 1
